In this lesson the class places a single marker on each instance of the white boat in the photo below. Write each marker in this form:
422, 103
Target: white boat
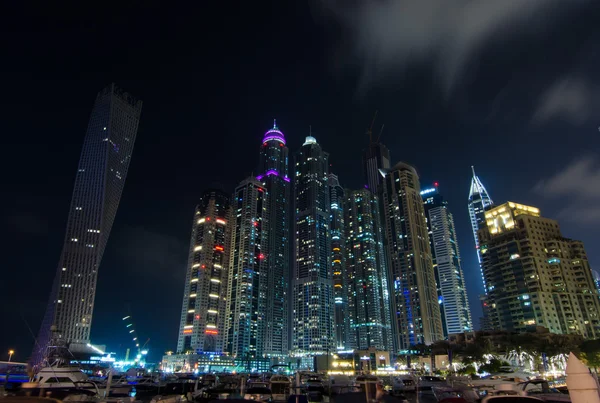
280, 387
426, 383
58, 377
404, 383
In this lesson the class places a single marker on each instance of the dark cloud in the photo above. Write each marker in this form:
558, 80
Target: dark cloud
391, 36
570, 98
577, 186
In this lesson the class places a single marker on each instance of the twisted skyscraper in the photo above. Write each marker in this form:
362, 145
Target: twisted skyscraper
99, 182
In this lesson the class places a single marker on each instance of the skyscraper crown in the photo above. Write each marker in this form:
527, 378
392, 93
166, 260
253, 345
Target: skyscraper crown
274, 134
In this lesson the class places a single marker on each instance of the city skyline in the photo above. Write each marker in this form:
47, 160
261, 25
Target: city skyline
211, 90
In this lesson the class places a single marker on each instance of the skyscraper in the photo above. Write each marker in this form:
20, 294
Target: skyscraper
366, 271
535, 276
375, 158
414, 295
338, 262
479, 201
273, 169
247, 281
312, 291
452, 294
99, 182
203, 314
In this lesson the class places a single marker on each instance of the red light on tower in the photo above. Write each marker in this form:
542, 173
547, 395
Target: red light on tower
436, 184
261, 256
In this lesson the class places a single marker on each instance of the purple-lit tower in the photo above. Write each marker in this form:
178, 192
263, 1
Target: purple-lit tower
273, 173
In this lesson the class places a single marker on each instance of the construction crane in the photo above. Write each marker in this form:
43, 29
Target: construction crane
370, 130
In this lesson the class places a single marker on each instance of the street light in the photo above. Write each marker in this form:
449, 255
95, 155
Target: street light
10, 354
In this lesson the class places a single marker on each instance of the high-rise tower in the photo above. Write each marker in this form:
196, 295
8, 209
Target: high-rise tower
203, 314
535, 276
312, 292
99, 182
273, 173
376, 157
247, 280
452, 293
479, 201
414, 295
338, 262
366, 271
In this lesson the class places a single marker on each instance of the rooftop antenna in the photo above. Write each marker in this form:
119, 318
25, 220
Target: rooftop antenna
380, 131
310, 130
370, 131
473, 169
274, 123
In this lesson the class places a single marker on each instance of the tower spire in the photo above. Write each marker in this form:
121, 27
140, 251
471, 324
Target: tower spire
274, 123
473, 169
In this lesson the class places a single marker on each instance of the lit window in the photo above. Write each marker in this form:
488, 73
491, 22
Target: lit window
198, 248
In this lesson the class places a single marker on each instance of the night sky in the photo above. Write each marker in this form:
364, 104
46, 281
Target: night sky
511, 86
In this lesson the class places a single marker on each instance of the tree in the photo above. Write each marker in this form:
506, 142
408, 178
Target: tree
590, 353
493, 366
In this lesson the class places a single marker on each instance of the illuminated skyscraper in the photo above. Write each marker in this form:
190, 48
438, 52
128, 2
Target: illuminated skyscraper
479, 201
452, 294
313, 312
247, 280
203, 314
416, 313
366, 271
99, 182
273, 169
535, 277
338, 261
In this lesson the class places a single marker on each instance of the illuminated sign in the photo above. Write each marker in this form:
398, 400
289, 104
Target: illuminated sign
427, 191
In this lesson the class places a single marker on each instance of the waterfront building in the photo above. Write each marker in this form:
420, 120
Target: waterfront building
479, 202
99, 183
368, 312
450, 279
535, 276
273, 173
416, 313
247, 280
313, 312
338, 263
203, 313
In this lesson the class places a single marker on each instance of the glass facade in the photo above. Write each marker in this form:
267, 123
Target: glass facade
247, 282
479, 201
313, 312
450, 279
273, 168
99, 183
338, 263
366, 274
415, 310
